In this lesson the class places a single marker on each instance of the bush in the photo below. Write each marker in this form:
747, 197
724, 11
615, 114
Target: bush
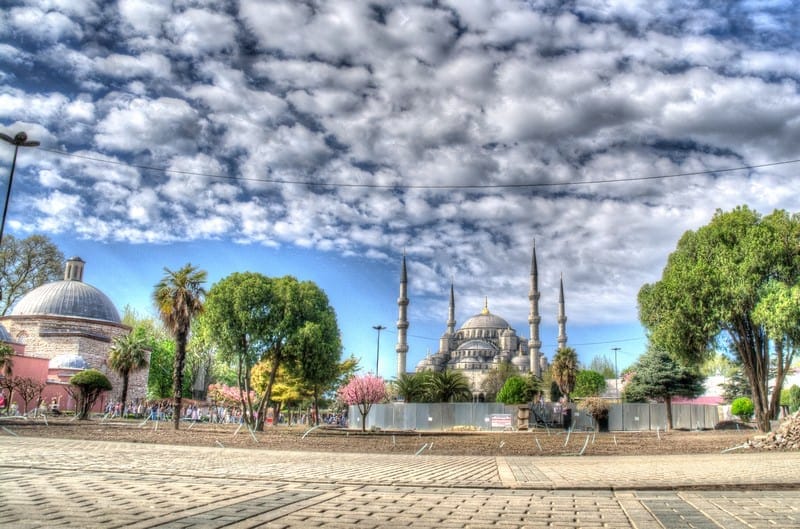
514, 391
90, 383
742, 408
597, 407
791, 398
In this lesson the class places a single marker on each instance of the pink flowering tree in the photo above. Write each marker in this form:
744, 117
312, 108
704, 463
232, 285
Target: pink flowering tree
363, 391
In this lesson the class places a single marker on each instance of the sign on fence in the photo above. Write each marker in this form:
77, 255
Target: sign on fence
500, 420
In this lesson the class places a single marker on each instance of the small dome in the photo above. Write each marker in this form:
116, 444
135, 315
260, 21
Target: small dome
68, 361
520, 361
486, 320
477, 345
70, 297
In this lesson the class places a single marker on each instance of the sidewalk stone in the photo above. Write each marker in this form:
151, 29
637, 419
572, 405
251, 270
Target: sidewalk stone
60, 483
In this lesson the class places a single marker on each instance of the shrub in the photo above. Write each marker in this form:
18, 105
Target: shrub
90, 383
597, 407
514, 391
743, 408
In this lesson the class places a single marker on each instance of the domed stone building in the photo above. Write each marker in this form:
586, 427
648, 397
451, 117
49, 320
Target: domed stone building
73, 325
485, 341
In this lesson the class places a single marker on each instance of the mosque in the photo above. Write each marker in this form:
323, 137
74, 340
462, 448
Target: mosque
63, 327
485, 341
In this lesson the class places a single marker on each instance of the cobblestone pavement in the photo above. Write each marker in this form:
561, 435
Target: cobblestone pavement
61, 483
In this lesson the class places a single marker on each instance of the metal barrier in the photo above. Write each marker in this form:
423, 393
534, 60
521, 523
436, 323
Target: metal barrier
479, 416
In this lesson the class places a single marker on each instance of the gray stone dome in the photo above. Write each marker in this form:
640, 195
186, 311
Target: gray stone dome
485, 320
68, 361
70, 297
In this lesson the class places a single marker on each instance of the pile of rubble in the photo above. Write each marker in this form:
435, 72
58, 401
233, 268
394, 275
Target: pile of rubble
786, 437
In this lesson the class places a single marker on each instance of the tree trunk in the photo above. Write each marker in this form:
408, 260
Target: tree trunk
668, 402
180, 358
124, 396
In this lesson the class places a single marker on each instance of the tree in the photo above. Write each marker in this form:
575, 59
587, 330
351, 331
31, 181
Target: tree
494, 380
658, 376
6, 370
564, 370
26, 264
281, 321
28, 390
514, 391
604, 366
597, 407
128, 353
711, 289
363, 391
743, 408
412, 387
448, 386
589, 383
179, 299
90, 383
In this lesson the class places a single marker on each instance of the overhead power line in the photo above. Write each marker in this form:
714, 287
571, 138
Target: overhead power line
312, 183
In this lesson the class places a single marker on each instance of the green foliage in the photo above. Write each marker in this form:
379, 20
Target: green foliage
791, 398
555, 393
128, 353
658, 376
733, 278
90, 383
449, 386
412, 387
743, 408
589, 383
251, 318
565, 369
26, 264
178, 297
494, 380
604, 366
514, 391
736, 384
6, 359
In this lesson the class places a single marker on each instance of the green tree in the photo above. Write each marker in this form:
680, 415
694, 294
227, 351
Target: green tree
711, 289
589, 383
658, 376
449, 386
514, 391
179, 299
743, 408
736, 384
604, 366
494, 380
90, 384
128, 353
412, 387
564, 370
255, 319
26, 264
7, 369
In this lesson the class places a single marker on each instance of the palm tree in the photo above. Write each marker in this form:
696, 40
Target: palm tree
565, 369
179, 298
128, 353
449, 386
411, 387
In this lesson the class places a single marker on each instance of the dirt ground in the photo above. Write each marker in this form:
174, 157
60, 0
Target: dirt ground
537, 442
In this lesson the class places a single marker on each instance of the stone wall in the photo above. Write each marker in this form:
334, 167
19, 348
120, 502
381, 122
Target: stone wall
50, 336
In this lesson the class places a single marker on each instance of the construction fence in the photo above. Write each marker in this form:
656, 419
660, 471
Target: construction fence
487, 416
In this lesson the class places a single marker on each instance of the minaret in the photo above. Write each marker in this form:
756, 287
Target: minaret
402, 320
562, 317
451, 314
534, 344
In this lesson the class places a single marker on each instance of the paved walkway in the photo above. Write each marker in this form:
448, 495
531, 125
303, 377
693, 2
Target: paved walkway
60, 483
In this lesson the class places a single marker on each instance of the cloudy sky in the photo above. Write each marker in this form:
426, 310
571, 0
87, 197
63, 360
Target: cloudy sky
324, 138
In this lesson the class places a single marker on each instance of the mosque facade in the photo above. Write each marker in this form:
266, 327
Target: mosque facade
485, 341
72, 325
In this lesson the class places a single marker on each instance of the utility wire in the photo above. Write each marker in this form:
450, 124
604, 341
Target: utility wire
311, 183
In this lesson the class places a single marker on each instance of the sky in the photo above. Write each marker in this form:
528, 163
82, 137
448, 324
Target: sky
325, 139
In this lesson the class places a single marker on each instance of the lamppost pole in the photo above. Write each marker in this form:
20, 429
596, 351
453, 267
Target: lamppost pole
20, 140
378, 328
616, 372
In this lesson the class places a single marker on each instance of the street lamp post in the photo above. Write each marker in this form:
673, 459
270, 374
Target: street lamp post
616, 373
20, 140
378, 328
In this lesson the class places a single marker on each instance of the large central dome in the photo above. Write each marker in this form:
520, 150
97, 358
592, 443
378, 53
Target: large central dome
485, 320
71, 297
